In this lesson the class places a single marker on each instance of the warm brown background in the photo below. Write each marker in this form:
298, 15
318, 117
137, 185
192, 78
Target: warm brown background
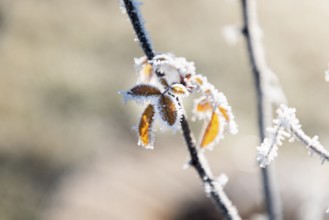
67, 150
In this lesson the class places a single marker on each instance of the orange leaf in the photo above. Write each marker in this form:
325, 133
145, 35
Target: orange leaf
211, 132
224, 113
203, 106
145, 127
144, 90
167, 109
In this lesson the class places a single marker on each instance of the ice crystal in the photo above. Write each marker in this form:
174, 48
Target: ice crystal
286, 125
122, 7
222, 179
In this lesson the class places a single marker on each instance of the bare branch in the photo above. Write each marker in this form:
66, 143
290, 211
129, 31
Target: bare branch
260, 70
198, 161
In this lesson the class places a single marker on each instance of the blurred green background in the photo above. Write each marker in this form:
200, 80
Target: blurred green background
67, 150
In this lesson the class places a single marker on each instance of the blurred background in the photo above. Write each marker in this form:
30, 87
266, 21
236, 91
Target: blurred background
67, 150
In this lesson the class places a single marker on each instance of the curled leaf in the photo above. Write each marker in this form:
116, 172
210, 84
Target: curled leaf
211, 131
179, 90
144, 90
168, 110
145, 127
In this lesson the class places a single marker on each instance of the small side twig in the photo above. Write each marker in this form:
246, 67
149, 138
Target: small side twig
198, 160
260, 70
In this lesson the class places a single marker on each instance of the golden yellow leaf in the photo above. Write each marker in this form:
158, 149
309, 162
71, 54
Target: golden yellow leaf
167, 109
147, 70
199, 80
203, 106
144, 90
224, 113
178, 89
145, 126
211, 132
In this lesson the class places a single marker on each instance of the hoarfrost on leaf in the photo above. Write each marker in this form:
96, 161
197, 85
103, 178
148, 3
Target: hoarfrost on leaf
165, 79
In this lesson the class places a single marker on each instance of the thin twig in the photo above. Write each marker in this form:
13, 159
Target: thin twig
260, 70
198, 160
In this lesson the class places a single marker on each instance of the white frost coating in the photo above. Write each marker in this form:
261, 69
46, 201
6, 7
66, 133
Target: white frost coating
286, 125
205, 164
222, 179
122, 7
174, 68
231, 34
207, 188
225, 200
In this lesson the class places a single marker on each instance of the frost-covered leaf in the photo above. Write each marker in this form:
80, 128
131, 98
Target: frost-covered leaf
144, 90
168, 110
145, 128
142, 93
211, 132
179, 90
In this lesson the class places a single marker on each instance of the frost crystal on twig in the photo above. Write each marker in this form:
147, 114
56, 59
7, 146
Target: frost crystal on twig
286, 125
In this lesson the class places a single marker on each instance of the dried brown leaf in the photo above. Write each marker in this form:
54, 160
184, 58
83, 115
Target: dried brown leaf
144, 90
167, 109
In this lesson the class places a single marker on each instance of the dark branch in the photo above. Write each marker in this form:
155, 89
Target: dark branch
260, 70
138, 25
216, 192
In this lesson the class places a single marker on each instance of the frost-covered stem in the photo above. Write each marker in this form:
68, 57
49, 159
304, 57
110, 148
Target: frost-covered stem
251, 32
201, 166
138, 25
197, 159
313, 146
